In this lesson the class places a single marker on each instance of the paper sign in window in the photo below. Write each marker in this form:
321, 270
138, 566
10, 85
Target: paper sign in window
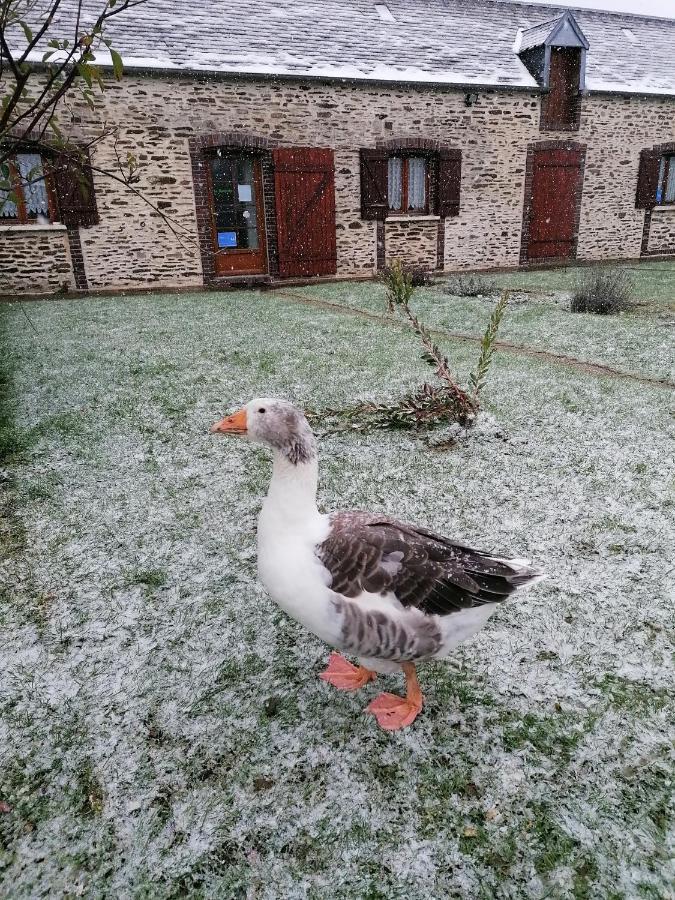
227, 238
244, 193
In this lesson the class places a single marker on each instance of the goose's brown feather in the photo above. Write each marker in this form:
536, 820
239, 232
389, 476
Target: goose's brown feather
434, 574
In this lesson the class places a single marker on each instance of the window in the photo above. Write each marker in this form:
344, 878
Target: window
407, 184
665, 191
410, 179
28, 198
560, 107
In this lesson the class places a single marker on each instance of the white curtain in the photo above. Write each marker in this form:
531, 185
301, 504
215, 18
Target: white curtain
395, 182
33, 184
417, 189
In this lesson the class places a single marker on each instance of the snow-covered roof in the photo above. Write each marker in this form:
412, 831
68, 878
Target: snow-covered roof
469, 42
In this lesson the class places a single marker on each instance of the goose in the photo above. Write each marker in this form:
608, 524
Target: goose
389, 593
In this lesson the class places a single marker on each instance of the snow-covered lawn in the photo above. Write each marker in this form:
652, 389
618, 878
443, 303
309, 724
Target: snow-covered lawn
163, 732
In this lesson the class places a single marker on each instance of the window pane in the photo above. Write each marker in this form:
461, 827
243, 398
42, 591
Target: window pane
417, 189
8, 209
662, 172
33, 184
395, 182
670, 184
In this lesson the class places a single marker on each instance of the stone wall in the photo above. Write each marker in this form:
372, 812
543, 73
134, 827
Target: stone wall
662, 231
413, 241
34, 260
133, 246
615, 130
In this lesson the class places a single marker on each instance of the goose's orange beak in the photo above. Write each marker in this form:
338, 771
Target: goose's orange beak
234, 424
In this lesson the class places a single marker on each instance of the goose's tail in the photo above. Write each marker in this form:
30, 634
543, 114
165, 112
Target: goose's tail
524, 573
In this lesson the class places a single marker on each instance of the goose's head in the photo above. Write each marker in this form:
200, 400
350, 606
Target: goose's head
275, 423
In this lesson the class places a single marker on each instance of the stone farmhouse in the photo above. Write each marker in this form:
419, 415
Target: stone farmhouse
289, 139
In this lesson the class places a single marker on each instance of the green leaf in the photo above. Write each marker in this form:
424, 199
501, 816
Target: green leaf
118, 65
45, 56
27, 31
84, 71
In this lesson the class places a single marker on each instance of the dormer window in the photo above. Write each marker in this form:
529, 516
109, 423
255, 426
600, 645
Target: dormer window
560, 107
554, 52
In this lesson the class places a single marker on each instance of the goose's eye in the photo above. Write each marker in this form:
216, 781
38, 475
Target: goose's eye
262, 409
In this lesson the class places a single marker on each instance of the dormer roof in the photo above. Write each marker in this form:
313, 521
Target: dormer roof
561, 31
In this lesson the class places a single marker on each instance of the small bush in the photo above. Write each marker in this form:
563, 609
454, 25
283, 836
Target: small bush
398, 281
418, 276
470, 286
604, 291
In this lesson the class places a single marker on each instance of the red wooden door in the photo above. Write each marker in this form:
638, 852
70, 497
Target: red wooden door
556, 192
305, 202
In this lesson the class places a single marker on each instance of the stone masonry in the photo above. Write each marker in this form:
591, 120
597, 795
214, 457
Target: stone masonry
662, 231
34, 261
133, 246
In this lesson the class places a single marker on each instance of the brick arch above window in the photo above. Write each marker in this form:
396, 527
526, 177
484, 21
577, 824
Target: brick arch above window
242, 139
668, 147
412, 143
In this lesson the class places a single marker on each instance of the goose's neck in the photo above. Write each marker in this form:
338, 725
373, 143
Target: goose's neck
292, 490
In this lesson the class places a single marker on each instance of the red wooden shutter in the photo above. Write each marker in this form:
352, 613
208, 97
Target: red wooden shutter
374, 199
304, 180
648, 179
449, 183
74, 185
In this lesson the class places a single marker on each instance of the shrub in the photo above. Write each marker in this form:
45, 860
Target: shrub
398, 281
603, 291
470, 286
416, 275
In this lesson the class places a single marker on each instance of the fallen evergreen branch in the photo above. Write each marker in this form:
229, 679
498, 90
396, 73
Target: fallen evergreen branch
429, 405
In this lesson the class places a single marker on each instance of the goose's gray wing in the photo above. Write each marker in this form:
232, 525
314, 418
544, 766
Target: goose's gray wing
424, 570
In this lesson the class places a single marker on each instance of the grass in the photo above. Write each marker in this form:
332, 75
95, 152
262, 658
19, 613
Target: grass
162, 730
639, 340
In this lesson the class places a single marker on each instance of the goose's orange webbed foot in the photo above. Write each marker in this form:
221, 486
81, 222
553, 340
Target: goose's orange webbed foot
393, 712
344, 676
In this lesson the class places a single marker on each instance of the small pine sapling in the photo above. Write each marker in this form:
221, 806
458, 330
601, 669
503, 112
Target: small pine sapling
478, 378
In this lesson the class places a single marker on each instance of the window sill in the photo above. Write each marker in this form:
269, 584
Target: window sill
664, 207
53, 226
412, 218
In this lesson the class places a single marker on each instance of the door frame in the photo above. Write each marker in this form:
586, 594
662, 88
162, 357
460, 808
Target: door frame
532, 150
221, 270
200, 147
